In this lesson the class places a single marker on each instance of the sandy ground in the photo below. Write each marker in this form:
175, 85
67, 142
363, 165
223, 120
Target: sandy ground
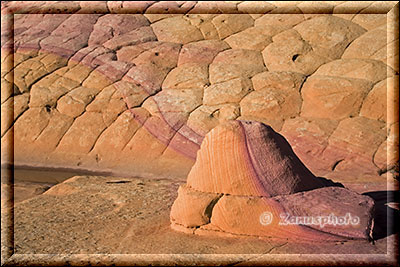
102, 215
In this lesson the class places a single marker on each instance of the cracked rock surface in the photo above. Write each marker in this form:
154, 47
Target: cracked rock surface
314, 72
131, 88
114, 215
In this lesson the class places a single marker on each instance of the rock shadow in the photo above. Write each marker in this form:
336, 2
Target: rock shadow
386, 219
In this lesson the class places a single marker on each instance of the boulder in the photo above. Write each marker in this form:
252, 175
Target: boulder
250, 159
195, 206
247, 181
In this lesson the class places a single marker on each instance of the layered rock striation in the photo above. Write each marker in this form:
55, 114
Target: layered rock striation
248, 181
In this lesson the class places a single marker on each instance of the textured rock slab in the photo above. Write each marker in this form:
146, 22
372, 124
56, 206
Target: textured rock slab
73, 34
15, 106
254, 38
289, 52
83, 133
187, 76
235, 63
175, 105
387, 155
280, 20
279, 80
123, 63
131, 94
333, 97
74, 103
309, 138
381, 102
271, 105
329, 35
371, 45
370, 21
176, 30
164, 55
31, 70
250, 216
227, 24
205, 118
114, 139
201, 52
137, 36
231, 91
135, 213
147, 76
370, 70
109, 26
353, 143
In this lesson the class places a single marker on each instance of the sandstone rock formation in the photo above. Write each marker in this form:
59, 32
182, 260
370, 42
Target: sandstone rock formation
72, 71
248, 181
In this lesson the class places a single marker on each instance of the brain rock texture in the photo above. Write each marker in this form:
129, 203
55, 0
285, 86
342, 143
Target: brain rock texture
133, 87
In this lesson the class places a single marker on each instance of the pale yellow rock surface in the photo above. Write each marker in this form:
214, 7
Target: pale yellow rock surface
336, 98
235, 63
370, 70
231, 91
271, 105
176, 30
329, 35
187, 76
227, 25
289, 52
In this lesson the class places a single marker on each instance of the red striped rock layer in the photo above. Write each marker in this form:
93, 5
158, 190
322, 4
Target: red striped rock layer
251, 159
324, 214
248, 181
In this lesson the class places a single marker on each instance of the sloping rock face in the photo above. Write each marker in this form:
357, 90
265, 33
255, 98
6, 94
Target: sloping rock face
320, 76
248, 181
